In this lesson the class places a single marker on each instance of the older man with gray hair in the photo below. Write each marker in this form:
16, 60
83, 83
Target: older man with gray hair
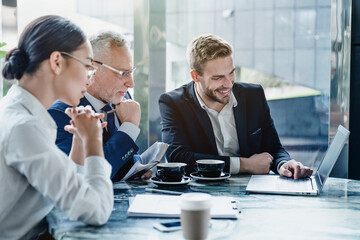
108, 93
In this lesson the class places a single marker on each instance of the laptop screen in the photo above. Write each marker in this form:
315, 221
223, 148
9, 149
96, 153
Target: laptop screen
333, 153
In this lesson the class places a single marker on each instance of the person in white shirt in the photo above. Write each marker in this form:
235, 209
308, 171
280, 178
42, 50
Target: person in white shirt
52, 61
214, 117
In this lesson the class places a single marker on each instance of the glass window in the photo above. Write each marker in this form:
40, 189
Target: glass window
92, 16
284, 45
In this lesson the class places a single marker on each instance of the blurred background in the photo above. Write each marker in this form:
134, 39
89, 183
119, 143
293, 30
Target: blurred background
298, 50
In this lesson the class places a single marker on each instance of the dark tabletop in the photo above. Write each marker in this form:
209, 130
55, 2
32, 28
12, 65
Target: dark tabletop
335, 214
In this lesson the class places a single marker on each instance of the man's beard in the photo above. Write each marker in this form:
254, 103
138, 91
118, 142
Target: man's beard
115, 102
212, 95
111, 98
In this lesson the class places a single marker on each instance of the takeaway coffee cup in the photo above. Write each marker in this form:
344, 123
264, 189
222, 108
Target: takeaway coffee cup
195, 215
171, 172
210, 168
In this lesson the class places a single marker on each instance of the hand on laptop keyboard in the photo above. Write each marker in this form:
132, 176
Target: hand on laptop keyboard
295, 170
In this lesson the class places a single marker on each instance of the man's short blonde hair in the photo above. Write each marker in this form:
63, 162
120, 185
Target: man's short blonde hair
205, 48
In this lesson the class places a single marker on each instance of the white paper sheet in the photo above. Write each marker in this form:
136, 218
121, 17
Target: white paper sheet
149, 158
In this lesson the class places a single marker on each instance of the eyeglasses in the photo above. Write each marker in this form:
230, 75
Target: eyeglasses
91, 69
123, 74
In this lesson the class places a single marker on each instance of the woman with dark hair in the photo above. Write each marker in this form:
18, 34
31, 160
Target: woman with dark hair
52, 61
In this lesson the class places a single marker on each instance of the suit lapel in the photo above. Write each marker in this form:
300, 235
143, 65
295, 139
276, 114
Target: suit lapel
127, 95
201, 115
240, 120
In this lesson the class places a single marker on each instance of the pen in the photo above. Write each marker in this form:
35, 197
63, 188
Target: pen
153, 190
111, 111
106, 113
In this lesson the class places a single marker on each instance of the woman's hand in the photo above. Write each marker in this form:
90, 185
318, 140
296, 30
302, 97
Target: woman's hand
87, 129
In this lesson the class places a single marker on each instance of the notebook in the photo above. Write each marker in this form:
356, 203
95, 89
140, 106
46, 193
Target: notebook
310, 186
154, 205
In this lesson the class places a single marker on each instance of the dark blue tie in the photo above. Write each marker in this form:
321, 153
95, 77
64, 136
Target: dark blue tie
110, 118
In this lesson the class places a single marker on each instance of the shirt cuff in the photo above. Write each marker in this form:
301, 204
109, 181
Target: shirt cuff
80, 168
234, 165
280, 164
130, 129
95, 165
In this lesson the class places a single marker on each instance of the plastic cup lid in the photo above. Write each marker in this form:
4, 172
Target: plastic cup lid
195, 201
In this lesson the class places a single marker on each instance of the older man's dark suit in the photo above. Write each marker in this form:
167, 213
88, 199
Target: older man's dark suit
188, 130
119, 149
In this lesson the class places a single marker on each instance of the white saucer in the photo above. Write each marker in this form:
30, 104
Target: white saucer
196, 175
157, 181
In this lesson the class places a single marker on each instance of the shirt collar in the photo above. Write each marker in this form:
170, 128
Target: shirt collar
232, 101
96, 103
32, 104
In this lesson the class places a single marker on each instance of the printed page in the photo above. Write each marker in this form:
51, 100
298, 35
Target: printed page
149, 159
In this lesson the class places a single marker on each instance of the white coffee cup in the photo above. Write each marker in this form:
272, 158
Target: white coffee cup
195, 215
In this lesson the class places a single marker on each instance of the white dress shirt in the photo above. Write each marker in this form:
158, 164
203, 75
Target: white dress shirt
225, 132
127, 127
35, 175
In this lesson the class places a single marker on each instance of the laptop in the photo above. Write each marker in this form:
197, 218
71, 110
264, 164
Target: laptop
275, 184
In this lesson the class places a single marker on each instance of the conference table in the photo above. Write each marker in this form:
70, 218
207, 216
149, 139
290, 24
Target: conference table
334, 214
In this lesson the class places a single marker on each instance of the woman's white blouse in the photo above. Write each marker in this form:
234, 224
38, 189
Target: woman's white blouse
35, 175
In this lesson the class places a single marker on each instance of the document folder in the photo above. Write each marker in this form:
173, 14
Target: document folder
168, 206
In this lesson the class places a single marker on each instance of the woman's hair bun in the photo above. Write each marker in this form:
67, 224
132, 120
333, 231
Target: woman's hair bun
15, 65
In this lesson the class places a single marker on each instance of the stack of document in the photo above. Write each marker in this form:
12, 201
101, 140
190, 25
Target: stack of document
169, 206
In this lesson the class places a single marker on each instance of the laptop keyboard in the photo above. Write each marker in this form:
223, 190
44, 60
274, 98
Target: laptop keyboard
290, 184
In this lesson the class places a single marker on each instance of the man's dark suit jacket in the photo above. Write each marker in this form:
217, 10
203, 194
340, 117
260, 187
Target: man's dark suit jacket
118, 149
187, 128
